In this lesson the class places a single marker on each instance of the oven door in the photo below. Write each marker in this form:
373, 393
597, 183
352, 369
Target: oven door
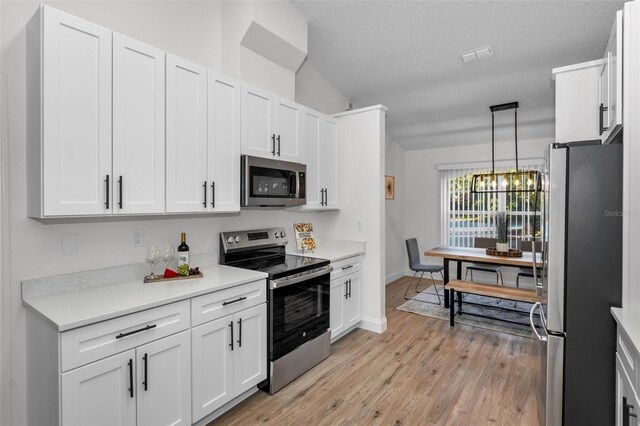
299, 310
268, 182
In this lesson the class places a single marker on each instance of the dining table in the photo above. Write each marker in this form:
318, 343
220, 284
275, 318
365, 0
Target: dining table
477, 255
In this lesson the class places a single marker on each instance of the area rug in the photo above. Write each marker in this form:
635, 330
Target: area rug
418, 306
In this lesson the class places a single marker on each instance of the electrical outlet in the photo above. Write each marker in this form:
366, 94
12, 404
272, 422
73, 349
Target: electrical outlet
138, 238
69, 245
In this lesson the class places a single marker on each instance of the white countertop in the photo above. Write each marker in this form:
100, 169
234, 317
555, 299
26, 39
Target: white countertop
330, 249
79, 307
630, 322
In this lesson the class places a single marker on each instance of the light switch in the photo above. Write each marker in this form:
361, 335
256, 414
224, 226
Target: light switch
69, 244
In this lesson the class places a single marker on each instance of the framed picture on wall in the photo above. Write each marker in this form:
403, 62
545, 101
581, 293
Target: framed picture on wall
389, 187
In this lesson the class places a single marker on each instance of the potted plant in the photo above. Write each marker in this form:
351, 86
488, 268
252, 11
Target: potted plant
501, 231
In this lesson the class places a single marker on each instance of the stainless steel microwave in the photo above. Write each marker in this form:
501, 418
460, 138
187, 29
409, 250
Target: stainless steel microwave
270, 182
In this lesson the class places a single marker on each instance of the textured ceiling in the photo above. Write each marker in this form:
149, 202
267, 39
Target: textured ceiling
405, 55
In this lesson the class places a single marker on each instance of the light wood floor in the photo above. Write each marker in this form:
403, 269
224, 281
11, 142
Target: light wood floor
420, 372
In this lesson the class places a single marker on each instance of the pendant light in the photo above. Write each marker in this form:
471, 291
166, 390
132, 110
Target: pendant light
518, 181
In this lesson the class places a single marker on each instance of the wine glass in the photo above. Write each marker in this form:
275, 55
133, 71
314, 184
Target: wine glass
167, 254
151, 257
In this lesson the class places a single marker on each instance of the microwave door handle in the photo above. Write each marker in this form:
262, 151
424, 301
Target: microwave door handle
293, 185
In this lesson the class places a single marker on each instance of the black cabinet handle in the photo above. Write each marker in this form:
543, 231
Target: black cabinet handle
278, 145
326, 197
213, 194
149, 327
602, 126
130, 378
349, 288
240, 333
120, 192
347, 267
106, 182
239, 299
231, 327
204, 189
346, 289
273, 142
145, 380
626, 412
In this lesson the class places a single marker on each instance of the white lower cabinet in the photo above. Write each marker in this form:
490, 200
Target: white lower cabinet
163, 381
627, 404
250, 358
148, 385
212, 373
346, 295
100, 393
169, 365
336, 314
229, 358
353, 303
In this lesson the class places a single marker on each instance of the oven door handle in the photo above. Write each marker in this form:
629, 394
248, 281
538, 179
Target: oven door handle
283, 282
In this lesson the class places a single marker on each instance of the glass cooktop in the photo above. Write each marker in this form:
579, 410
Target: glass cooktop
282, 265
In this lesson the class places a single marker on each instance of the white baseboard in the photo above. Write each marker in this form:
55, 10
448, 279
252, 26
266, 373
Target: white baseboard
375, 325
394, 276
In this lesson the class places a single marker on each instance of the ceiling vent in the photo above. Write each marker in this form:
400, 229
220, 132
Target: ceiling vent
477, 55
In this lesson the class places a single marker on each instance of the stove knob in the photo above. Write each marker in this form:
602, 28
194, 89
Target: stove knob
237, 239
230, 240
282, 235
277, 235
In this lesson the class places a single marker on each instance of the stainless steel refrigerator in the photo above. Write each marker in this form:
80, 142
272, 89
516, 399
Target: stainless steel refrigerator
581, 279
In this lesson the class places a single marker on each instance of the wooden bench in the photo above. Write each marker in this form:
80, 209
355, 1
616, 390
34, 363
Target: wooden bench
468, 287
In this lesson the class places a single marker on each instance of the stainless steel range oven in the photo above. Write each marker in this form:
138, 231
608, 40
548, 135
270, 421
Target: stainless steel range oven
298, 301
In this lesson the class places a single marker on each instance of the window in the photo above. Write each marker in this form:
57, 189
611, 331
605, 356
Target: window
466, 215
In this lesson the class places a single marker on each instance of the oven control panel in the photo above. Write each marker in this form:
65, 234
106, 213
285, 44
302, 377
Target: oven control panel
243, 240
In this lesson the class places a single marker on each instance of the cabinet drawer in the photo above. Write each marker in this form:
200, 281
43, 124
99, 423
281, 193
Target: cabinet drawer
345, 267
628, 355
87, 344
224, 302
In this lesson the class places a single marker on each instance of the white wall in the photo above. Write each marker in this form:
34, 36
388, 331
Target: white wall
188, 29
396, 253
422, 196
244, 64
5, 288
315, 91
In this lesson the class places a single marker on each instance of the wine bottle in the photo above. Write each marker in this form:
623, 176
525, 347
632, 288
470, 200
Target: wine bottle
183, 255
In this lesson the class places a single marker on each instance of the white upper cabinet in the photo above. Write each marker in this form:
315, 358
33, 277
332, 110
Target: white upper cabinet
611, 84
258, 134
311, 123
224, 144
577, 100
330, 162
203, 139
69, 115
321, 155
138, 127
115, 126
187, 185
271, 126
288, 129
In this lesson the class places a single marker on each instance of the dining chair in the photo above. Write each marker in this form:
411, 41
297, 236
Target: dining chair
417, 266
481, 242
527, 272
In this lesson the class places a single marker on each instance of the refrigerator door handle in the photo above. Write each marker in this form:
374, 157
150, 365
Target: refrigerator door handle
533, 326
